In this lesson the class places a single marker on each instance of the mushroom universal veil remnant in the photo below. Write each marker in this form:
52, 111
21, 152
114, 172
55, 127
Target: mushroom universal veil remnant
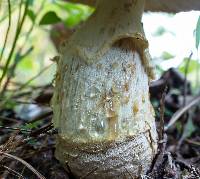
101, 101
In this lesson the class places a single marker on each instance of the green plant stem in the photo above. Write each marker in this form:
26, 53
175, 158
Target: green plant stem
19, 52
33, 78
8, 29
24, 85
32, 27
18, 58
5, 16
14, 43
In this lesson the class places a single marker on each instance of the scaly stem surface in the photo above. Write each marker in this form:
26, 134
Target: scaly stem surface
101, 101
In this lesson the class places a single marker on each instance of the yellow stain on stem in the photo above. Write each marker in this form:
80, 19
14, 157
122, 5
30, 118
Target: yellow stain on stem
135, 108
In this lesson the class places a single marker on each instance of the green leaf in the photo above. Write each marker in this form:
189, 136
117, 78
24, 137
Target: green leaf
192, 66
72, 21
50, 18
31, 2
76, 12
167, 56
27, 64
197, 33
31, 15
29, 126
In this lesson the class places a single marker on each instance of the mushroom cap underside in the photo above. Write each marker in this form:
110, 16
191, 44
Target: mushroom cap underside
172, 6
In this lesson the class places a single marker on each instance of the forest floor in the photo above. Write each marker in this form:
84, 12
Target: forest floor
27, 137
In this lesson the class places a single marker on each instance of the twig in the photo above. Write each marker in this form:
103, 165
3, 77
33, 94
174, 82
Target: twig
18, 84
192, 142
155, 170
38, 174
41, 116
12, 171
181, 111
42, 130
22, 171
14, 128
158, 160
2, 118
27, 102
19, 95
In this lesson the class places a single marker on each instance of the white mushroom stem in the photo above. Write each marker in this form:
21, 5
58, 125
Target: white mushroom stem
101, 101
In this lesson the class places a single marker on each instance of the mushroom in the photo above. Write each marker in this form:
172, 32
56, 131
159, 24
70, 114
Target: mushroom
171, 6
101, 101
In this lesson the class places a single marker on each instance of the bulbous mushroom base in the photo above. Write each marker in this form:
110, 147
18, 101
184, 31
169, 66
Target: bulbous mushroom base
127, 158
101, 101
104, 115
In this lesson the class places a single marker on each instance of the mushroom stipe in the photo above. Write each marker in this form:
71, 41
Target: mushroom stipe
101, 101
